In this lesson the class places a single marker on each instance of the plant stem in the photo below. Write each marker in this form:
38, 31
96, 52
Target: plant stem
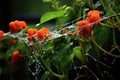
84, 57
114, 40
109, 53
84, 61
55, 74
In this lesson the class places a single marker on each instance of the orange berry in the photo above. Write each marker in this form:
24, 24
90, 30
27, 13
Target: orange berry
12, 27
93, 16
47, 31
84, 28
23, 24
2, 34
15, 58
31, 31
43, 33
17, 26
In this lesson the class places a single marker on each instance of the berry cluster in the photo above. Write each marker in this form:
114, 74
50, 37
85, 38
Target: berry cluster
85, 26
41, 34
16, 26
84, 29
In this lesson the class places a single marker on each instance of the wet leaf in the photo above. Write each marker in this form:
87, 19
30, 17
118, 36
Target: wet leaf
45, 75
52, 15
77, 52
101, 34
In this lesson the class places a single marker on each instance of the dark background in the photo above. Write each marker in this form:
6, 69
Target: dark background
27, 10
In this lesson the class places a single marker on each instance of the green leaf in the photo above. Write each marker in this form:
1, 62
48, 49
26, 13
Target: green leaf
77, 52
47, 0
71, 57
67, 18
51, 15
101, 34
45, 75
94, 51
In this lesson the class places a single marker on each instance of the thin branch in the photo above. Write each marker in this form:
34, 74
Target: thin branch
109, 53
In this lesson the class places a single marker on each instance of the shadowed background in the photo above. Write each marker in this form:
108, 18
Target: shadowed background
27, 10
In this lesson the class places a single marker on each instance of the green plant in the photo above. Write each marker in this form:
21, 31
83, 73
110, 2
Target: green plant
84, 45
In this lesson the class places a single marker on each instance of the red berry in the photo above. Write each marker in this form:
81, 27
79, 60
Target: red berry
31, 31
17, 26
30, 38
93, 16
12, 41
23, 24
15, 58
12, 27
43, 33
2, 34
84, 28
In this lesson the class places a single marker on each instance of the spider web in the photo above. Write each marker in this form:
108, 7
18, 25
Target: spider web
96, 69
99, 70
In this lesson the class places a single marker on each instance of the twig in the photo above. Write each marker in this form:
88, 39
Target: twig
109, 53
